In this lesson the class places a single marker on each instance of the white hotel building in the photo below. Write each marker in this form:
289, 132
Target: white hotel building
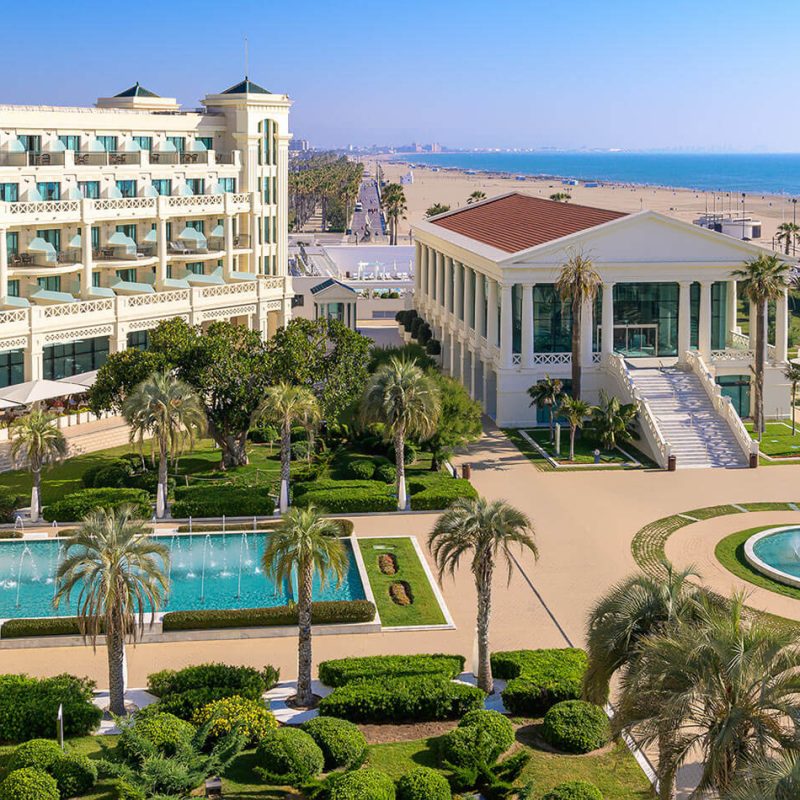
115, 217
662, 332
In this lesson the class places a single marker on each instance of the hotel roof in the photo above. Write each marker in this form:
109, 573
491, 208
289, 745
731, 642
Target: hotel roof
516, 222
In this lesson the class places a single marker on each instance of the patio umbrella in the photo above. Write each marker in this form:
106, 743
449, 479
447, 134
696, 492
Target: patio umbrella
217, 232
94, 146
74, 243
34, 391
39, 245
166, 147
191, 235
7, 404
16, 146
197, 147
73, 193
151, 237
34, 195
56, 146
119, 239
84, 379
114, 193
129, 146
185, 190
150, 191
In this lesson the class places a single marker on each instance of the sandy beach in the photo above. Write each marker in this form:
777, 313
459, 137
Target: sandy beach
452, 187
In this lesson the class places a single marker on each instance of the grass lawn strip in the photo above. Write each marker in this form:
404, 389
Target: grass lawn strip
777, 444
584, 450
425, 610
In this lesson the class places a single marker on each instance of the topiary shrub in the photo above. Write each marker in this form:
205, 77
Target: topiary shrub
574, 790
29, 784
167, 733
115, 473
74, 773
232, 500
423, 783
251, 716
289, 756
342, 743
439, 491
576, 726
341, 671
466, 747
494, 724
74, 507
433, 347
362, 784
386, 473
361, 469
36, 753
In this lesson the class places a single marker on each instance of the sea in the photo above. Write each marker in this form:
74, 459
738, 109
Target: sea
753, 173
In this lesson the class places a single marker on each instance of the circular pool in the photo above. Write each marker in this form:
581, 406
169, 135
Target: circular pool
776, 554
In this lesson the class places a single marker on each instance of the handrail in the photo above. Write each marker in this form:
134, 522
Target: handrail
722, 404
616, 367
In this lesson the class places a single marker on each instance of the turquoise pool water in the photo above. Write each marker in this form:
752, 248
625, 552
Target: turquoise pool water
206, 571
781, 550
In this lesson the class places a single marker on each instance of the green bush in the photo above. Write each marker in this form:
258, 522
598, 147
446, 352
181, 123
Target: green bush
10, 501
29, 706
342, 743
167, 733
115, 473
386, 473
74, 773
300, 451
493, 724
289, 756
433, 347
437, 493
232, 500
74, 507
325, 612
35, 753
576, 726
362, 784
341, 671
538, 679
574, 790
412, 699
43, 626
423, 783
251, 716
122, 790
361, 469
29, 784
346, 497
466, 747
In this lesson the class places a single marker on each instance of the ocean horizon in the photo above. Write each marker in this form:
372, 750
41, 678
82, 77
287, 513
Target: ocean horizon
753, 173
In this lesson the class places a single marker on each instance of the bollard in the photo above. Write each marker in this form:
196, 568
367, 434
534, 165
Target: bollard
466, 471
672, 463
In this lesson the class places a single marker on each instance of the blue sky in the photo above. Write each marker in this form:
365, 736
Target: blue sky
658, 74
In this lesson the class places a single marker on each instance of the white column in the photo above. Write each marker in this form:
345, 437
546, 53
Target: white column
452, 364
491, 322
256, 232
86, 258
704, 324
782, 326
465, 271
227, 224
527, 325
607, 337
458, 292
479, 303
161, 228
282, 206
472, 375
506, 326
485, 386
3, 264
587, 325
430, 271
447, 300
33, 359
732, 310
752, 326
684, 319
417, 268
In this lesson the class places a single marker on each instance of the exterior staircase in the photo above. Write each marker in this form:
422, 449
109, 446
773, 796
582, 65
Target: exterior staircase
688, 420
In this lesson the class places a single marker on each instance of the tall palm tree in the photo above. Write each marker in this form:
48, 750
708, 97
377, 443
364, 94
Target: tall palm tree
393, 200
406, 401
170, 411
486, 531
764, 279
771, 778
724, 687
577, 285
37, 440
576, 412
547, 393
792, 374
119, 574
283, 406
788, 234
306, 543
476, 197
613, 421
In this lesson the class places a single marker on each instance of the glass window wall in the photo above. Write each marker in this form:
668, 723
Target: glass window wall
64, 360
552, 321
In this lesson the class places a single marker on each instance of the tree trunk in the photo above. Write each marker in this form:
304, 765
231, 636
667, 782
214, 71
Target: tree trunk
304, 694
666, 772
794, 400
233, 449
484, 587
400, 463
36, 496
552, 423
286, 460
161, 492
758, 411
115, 645
577, 321
572, 431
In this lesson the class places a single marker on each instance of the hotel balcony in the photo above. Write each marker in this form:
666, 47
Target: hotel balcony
136, 158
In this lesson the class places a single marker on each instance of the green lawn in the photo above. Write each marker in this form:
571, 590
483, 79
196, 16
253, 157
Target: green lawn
425, 609
777, 440
584, 448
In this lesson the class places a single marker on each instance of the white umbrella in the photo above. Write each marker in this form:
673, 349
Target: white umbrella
7, 404
84, 379
34, 391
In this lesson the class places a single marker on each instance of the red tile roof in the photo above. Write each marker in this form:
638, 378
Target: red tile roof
518, 221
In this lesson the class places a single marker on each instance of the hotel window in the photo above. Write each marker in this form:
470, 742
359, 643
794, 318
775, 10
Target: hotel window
196, 268
95, 279
32, 143
197, 185
127, 230
9, 192
96, 237
13, 288
169, 231
64, 360
138, 340
89, 189
128, 275
49, 190
196, 224
206, 141
267, 231
127, 188
227, 185
12, 243
552, 321
12, 367
267, 190
516, 318
71, 142
144, 142
109, 143
52, 283
52, 236
179, 142
163, 186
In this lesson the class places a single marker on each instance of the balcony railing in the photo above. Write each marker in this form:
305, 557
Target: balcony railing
114, 158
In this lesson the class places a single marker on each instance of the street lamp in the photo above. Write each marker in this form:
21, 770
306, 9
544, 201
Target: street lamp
794, 223
743, 197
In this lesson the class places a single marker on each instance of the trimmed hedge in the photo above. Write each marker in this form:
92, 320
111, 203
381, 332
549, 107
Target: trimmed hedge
494, 726
576, 726
423, 783
74, 774
74, 507
361, 469
326, 612
574, 790
538, 679
36, 753
342, 743
362, 784
252, 717
229, 499
411, 699
45, 626
167, 733
345, 497
288, 756
439, 493
29, 784
386, 473
342, 671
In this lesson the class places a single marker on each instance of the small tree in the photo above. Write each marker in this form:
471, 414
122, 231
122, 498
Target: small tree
792, 374
576, 413
614, 421
561, 197
788, 234
476, 197
459, 420
547, 393
393, 200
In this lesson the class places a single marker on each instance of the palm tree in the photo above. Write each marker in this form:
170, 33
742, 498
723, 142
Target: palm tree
36, 440
170, 411
284, 405
788, 234
723, 687
614, 421
575, 412
577, 285
547, 393
792, 374
765, 279
406, 401
437, 208
772, 778
476, 197
119, 573
487, 531
306, 543
393, 200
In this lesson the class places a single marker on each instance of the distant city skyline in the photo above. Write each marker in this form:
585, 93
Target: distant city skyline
676, 76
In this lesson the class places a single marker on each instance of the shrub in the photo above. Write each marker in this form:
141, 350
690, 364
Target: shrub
362, 784
326, 612
416, 327
386, 473
341, 671
29, 706
74, 507
361, 469
301, 451
439, 493
400, 592
115, 473
167, 733
122, 790
423, 783
252, 717
417, 698
10, 501
35, 753
29, 784
289, 756
229, 499
497, 726
342, 743
574, 790
466, 747
74, 773
43, 626
346, 497
387, 564
576, 726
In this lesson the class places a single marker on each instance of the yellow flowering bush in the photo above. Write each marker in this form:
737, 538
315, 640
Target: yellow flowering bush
251, 715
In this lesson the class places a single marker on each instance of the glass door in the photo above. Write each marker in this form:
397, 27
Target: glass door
636, 341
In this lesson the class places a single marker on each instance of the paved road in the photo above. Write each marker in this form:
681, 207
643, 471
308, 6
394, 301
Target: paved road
370, 204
